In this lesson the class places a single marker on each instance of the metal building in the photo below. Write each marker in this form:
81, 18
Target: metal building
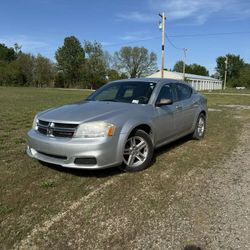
196, 81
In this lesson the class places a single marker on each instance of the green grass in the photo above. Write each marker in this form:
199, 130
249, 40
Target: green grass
31, 193
4, 209
232, 91
215, 100
48, 184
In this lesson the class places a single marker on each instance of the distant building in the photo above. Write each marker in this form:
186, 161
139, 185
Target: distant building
196, 81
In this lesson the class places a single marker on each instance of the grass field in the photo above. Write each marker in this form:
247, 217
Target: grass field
232, 91
51, 207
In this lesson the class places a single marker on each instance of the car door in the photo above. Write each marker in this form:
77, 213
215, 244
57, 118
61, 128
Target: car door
165, 115
185, 118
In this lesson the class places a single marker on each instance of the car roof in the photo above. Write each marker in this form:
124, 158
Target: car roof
155, 80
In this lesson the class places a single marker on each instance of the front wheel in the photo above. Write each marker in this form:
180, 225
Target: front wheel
138, 152
200, 127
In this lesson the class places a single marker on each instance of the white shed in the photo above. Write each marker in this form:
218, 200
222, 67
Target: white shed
196, 81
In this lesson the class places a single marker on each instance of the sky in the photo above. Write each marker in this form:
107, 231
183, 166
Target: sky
207, 28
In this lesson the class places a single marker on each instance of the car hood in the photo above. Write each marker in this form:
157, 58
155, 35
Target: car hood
86, 111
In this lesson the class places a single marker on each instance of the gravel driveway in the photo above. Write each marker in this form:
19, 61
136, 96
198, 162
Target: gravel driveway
212, 209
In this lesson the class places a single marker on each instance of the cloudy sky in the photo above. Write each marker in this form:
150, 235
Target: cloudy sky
207, 28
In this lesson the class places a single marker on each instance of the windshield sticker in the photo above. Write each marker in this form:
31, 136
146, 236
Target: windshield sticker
135, 101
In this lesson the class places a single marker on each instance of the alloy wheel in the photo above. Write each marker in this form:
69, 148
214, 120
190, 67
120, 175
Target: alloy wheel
201, 126
135, 151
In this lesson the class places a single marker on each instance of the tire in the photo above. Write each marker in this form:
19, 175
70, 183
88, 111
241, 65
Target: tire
200, 127
138, 152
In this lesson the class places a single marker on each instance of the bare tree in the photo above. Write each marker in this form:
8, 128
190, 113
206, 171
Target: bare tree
136, 61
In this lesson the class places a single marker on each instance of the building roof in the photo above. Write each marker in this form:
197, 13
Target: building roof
179, 76
197, 76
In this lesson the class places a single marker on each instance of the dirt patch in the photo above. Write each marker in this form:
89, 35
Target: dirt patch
238, 107
214, 110
238, 117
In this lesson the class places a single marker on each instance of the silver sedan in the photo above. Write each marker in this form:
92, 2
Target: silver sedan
120, 124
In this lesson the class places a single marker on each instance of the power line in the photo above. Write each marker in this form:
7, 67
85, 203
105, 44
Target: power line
181, 35
184, 54
172, 43
135, 41
212, 34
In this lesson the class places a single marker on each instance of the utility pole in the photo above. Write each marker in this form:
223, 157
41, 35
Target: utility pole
184, 62
225, 78
163, 18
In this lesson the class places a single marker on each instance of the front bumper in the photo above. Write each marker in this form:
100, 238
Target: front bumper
107, 151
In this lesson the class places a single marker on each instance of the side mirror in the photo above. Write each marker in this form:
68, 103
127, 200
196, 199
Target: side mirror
163, 102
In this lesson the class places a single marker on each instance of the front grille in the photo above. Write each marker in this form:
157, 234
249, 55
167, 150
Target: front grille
44, 123
42, 130
55, 129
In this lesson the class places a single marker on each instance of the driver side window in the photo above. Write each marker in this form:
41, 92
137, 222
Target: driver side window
166, 93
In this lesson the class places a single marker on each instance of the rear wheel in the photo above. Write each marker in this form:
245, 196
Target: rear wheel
200, 127
138, 152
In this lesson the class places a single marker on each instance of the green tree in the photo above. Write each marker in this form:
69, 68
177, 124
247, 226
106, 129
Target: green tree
10, 73
59, 81
95, 67
244, 77
43, 74
21, 69
25, 63
113, 75
70, 59
235, 64
124, 76
7, 54
135, 61
178, 67
197, 69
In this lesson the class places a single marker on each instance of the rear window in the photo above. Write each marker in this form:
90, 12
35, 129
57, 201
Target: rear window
183, 91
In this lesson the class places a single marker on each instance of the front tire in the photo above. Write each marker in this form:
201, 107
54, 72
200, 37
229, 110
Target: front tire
138, 152
200, 127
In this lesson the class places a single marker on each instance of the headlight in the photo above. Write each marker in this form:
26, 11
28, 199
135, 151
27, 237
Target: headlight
34, 125
95, 129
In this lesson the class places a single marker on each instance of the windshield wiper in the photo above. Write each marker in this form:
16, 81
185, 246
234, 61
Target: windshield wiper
109, 100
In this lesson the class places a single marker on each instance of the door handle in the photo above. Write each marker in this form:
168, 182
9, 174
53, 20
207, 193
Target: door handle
179, 107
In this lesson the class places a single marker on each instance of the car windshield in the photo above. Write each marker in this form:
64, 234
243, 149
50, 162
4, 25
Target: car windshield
128, 92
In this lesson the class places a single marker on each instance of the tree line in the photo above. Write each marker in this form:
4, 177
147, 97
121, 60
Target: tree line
195, 69
87, 65
22, 69
84, 65
238, 72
